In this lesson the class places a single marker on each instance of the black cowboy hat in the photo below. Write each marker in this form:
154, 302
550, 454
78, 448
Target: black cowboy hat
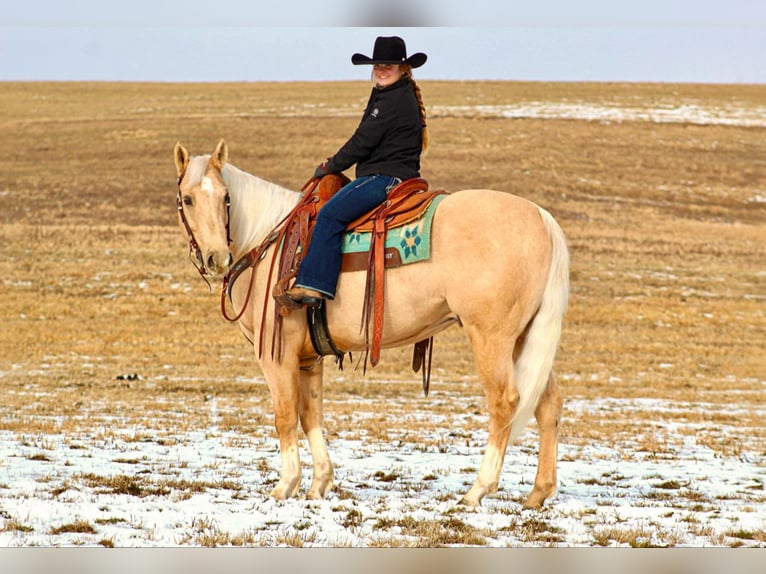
390, 50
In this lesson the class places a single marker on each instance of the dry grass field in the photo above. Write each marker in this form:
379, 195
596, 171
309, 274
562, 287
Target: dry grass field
108, 337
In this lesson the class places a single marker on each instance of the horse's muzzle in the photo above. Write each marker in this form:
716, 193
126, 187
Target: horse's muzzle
218, 263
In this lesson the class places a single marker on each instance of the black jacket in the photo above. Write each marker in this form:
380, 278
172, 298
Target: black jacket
389, 138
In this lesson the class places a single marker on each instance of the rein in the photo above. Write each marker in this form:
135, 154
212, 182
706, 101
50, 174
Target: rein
250, 260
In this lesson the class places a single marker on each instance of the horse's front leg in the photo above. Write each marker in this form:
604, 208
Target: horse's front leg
548, 414
311, 416
282, 380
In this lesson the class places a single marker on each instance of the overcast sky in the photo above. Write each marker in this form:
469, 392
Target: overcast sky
713, 41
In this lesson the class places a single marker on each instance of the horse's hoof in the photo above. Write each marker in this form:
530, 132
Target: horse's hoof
314, 495
283, 493
470, 502
318, 492
278, 495
539, 495
534, 501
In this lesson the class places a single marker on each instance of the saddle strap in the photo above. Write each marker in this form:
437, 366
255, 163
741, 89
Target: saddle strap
380, 284
374, 295
321, 340
294, 232
420, 361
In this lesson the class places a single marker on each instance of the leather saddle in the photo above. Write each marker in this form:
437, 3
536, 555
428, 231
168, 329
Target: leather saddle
405, 203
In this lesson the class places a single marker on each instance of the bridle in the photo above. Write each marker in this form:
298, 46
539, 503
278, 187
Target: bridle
249, 260
252, 258
195, 253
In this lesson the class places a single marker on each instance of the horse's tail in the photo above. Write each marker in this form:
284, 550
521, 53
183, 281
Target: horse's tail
534, 364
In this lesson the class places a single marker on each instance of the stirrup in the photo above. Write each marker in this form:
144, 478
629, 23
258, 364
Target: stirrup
295, 303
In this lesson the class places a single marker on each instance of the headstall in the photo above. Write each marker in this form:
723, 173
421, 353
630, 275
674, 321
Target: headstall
195, 253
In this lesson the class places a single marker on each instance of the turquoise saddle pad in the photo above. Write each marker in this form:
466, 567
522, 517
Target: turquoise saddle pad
413, 241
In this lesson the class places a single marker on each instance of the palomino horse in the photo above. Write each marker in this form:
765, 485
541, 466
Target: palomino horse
499, 267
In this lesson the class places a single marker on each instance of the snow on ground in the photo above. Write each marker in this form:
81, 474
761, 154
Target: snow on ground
208, 487
672, 112
692, 112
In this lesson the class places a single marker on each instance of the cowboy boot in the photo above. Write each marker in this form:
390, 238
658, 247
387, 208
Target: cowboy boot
297, 297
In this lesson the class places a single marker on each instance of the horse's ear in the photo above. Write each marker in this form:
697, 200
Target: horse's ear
181, 157
220, 155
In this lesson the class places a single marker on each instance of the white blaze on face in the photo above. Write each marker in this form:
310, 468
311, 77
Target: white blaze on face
207, 185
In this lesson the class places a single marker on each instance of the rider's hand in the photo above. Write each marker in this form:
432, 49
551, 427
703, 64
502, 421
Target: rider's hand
321, 171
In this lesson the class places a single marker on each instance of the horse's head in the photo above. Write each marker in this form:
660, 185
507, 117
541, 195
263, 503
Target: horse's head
203, 208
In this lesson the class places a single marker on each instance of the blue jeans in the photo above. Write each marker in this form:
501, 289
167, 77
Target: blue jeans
320, 267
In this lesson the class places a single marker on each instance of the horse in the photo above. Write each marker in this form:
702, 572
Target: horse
499, 268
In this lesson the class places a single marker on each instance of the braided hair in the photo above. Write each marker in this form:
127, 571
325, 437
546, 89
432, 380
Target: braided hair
407, 72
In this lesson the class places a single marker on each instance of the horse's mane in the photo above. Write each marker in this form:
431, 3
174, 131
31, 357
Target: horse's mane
257, 206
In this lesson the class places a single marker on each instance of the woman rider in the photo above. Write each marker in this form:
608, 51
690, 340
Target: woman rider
386, 149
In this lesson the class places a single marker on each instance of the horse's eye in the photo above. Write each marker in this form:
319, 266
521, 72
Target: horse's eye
188, 200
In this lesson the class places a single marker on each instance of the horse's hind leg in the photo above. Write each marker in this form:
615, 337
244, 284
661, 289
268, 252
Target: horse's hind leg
548, 414
311, 420
495, 369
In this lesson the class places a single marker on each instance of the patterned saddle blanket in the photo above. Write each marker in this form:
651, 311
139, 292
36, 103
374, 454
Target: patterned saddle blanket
407, 243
